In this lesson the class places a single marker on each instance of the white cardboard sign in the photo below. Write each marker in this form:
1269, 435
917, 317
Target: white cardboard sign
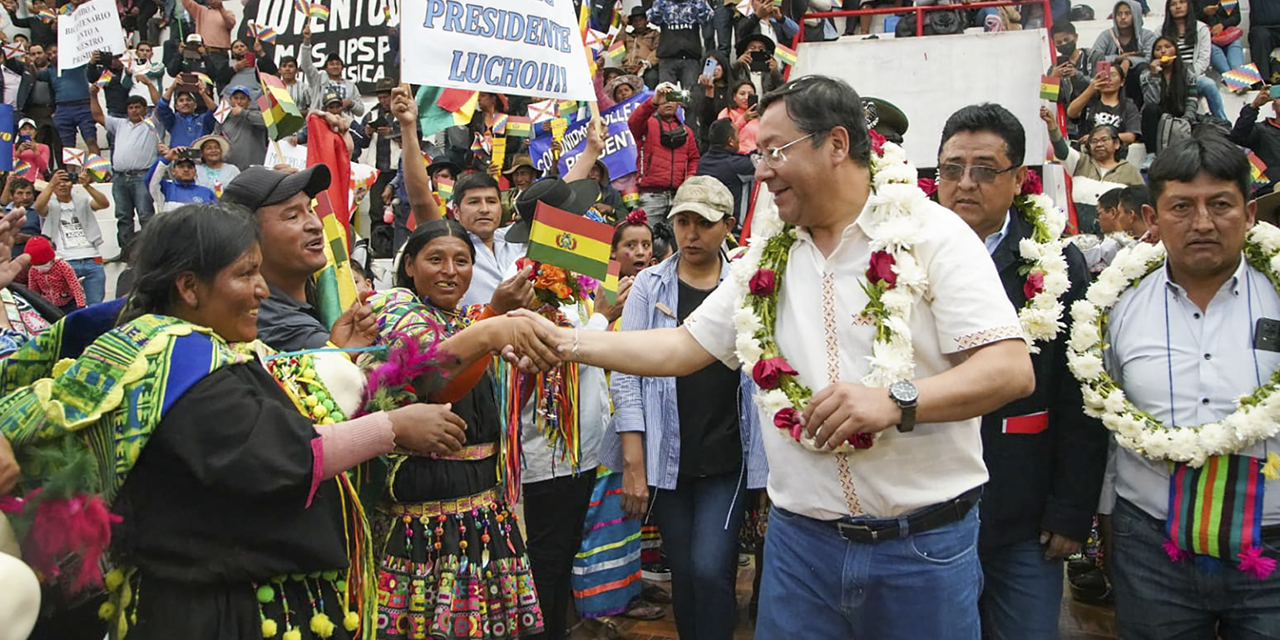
93, 26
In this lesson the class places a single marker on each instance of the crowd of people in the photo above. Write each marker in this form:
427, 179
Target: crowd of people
468, 451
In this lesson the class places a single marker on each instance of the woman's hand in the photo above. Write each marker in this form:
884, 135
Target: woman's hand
428, 428
635, 491
356, 327
752, 113
528, 340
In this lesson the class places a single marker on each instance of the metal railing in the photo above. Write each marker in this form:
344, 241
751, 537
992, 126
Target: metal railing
919, 12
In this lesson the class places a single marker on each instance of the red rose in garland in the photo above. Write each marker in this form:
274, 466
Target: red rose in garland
877, 142
1034, 285
763, 282
862, 440
881, 270
1031, 185
769, 371
788, 419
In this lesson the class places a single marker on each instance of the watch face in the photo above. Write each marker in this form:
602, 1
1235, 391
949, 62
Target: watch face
904, 391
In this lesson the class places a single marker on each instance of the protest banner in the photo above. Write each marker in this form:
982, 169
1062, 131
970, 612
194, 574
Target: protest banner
93, 26
514, 47
357, 30
619, 147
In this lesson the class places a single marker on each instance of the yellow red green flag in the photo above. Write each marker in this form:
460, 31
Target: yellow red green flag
570, 242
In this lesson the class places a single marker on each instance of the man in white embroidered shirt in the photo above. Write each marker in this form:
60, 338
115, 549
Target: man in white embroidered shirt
878, 542
1184, 345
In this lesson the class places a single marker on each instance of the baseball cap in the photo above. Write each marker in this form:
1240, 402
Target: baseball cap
705, 196
331, 97
241, 88
27, 121
194, 40
259, 187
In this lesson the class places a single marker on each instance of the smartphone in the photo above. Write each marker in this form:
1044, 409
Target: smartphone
1063, 59
678, 96
709, 69
22, 137
752, 100
760, 60
73, 175
1103, 69
1275, 92
191, 154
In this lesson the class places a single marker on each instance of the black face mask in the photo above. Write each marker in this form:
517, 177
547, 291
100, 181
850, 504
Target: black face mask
1067, 48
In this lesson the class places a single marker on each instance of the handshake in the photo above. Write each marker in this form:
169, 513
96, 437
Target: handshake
530, 342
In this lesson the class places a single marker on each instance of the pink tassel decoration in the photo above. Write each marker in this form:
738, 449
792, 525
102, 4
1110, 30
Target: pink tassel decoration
1253, 562
1175, 554
79, 525
407, 360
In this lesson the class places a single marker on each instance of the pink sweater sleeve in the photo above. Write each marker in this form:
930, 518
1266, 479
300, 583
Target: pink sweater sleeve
346, 444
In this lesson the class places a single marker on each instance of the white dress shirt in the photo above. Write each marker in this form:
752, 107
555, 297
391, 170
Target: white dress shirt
1201, 361
490, 266
822, 335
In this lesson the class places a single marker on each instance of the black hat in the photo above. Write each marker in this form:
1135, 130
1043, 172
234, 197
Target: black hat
439, 159
261, 187
384, 85
637, 12
769, 44
575, 197
886, 118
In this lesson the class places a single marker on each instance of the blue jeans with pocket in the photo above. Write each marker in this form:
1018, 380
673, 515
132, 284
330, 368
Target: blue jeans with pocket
699, 522
129, 190
1224, 59
1157, 599
816, 584
93, 279
1021, 592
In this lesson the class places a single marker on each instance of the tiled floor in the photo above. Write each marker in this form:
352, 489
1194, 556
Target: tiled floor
1078, 621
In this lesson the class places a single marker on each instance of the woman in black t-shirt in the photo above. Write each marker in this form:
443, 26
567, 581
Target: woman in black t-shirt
1103, 103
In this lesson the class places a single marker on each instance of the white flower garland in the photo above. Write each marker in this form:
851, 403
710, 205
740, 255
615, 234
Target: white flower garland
1258, 414
1041, 316
893, 219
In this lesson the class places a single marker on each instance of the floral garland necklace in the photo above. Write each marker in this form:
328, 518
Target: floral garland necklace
1258, 415
1045, 267
892, 282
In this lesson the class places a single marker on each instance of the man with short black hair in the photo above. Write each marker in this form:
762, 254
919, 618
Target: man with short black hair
667, 151
132, 154
1263, 138
1184, 344
724, 163
297, 86
1044, 455
180, 117
181, 188
477, 207
330, 80
70, 222
244, 128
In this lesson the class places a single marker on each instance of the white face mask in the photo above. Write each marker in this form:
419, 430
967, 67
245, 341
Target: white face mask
44, 268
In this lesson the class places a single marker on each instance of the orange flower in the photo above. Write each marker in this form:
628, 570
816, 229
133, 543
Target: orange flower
561, 290
549, 276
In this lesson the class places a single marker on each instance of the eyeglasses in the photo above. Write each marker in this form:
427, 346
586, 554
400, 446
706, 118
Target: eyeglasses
1098, 141
774, 156
981, 174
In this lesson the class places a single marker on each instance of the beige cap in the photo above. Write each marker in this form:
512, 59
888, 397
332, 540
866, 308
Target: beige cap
705, 196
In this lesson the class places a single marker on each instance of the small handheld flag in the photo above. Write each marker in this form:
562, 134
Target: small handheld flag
1229, 5
444, 187
617, 52
104, 79
544, 110
279, 112
1050, 88
786, 57
21, 167
262, 32
1242, 77
335, 286
519, 127
570, 242
453, 99
75, 156
47, 16
319, 12
744, 8
500, 125
302, 6
203, 77
610, 282
98, 166
224, 109
15, 51
1257, 171
630, 197
567, 108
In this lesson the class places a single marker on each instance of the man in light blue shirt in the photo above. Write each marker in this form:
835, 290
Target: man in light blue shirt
478, 208
1183, 348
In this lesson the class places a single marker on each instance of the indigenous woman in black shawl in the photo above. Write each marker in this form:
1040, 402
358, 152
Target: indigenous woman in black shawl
207, 468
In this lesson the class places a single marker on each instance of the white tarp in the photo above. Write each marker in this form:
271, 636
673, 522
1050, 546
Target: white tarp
515, 47
93, 26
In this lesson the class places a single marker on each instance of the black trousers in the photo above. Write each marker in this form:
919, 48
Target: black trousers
1262, 39
555, 512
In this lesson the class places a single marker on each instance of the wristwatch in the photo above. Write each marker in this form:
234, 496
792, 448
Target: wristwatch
905, 394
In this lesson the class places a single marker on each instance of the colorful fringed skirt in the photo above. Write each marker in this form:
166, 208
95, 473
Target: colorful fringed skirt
454, 569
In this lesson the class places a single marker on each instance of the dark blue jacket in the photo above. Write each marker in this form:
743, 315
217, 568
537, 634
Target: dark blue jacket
729, 167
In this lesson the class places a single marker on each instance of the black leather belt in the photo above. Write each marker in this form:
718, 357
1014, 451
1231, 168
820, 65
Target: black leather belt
931, 517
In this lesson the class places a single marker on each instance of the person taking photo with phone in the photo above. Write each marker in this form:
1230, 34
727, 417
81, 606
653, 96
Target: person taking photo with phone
744, 114
668, 149
70, 222
181, 188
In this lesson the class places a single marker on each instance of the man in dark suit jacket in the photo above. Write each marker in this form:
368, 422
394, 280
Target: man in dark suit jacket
1045, 457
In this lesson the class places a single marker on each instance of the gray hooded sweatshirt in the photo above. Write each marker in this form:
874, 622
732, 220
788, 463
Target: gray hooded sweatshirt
1108, 46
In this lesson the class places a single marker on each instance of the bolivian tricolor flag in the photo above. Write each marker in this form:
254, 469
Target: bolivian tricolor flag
610, 282
319, 12
335, 285
785, 56
617, 52
519, 127
631, 198
1050, 88
570, 242
279, 112
444, 187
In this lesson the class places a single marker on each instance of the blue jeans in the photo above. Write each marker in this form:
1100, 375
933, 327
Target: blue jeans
1161, 600
129, 189
1227, 58
816, 584
1021, 592
699, 523
92, 278
1209, 89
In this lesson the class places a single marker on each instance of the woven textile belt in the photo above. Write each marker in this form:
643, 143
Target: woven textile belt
487, 498
473, 452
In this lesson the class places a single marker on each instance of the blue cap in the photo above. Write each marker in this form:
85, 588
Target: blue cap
241, 88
